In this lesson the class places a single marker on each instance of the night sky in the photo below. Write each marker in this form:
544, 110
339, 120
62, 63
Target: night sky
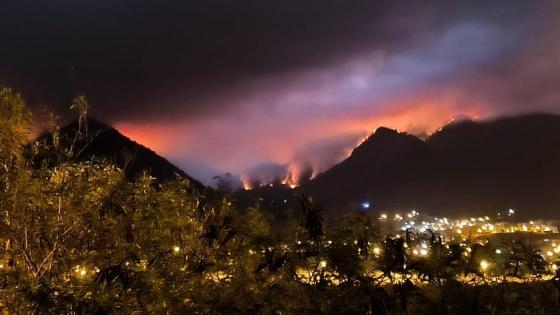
261, 86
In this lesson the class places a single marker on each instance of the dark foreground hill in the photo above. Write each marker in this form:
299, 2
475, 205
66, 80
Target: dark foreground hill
466, 168
105, 142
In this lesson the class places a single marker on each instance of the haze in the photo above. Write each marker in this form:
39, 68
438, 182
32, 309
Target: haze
271, 86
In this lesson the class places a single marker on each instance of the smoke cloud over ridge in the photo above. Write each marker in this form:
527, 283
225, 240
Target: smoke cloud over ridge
259, 87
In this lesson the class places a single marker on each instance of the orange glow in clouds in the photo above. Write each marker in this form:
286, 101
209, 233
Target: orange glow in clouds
227, 144
156, 137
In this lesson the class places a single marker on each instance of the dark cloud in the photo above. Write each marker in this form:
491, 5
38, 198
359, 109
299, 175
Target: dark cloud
134, 58
526, 79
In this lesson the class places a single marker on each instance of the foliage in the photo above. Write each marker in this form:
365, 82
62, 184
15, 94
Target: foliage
81, 238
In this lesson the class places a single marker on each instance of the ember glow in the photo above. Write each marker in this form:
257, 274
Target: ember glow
305, 147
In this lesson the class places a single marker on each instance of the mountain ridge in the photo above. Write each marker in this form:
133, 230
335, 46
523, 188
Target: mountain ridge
467, 167
106, 142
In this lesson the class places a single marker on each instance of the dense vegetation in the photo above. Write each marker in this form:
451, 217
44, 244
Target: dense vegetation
82, 238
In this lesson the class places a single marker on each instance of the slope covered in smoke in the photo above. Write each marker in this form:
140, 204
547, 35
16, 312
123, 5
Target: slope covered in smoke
465, 168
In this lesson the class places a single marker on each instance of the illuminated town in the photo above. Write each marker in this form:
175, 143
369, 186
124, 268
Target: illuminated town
420, 233
474, 227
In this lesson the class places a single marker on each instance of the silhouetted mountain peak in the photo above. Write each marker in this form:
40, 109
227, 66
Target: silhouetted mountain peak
104, 141
384, 141
468, 167
384, 131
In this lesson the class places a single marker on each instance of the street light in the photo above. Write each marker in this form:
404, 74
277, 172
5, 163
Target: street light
484, 265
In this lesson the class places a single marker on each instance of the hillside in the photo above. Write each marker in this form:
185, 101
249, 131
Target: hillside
104, 141
465, 168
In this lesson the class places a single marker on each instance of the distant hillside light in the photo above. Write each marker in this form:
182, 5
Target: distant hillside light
511, 212
365, 205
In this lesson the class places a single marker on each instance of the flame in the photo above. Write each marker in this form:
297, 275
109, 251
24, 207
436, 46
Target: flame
292, 175
246, 182
290, 179
225, 145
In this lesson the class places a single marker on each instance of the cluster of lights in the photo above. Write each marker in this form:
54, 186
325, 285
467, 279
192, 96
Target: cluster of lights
468, 228
421, 249
465, 227
474, 225
81, 271
399, 217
